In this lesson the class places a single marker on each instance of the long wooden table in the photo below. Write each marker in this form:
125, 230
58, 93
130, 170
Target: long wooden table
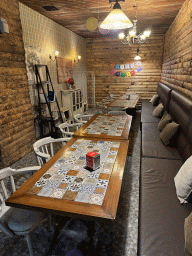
106, 126
64, 186
123, 102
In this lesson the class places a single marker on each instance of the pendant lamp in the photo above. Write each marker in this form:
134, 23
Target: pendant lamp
137, 57
116, 19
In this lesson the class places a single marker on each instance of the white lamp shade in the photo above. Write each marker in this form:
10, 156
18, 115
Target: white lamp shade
137, 57
143, 37
116, 19
132, 33
147, 33
121, 35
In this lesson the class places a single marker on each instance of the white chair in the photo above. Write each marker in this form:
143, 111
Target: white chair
116, 113
69, 129
15, 221
82, 118
43, 148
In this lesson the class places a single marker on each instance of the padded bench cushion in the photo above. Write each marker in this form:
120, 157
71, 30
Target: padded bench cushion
152, 145
147, 112
161, 216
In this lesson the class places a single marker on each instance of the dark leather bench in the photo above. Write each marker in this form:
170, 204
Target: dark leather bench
180, 109
161, 216
146, 110
152, 145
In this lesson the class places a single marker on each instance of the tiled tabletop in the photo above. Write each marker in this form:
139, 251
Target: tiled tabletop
123, 102
132, 96
65, 185
68, 178
106, 126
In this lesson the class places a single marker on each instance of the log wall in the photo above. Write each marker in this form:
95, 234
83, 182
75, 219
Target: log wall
177, 59
16, 121
101, 52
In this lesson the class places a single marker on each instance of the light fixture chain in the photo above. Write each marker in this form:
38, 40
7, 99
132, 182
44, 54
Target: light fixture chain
98, 10
135, 7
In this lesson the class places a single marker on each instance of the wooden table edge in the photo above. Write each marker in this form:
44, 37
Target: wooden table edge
106, 211
118, 98
124, 136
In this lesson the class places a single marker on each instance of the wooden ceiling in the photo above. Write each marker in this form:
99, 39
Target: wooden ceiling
72, 14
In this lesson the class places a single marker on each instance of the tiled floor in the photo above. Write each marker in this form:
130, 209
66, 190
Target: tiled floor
116, 238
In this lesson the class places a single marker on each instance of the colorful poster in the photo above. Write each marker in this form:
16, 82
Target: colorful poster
123, 67
64, 69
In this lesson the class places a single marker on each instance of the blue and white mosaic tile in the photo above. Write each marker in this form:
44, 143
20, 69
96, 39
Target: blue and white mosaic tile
109, 125
68, 178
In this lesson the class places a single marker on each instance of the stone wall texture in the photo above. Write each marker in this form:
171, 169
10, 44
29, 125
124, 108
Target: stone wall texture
16, 120
177, 59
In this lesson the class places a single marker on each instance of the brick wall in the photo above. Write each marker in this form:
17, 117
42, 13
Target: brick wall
16, 121
177, 59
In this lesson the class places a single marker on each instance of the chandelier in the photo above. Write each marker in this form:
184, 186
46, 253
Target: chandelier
131, 36
116, 19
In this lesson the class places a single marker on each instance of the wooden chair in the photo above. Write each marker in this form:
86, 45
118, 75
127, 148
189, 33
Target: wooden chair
82, 118
66, 128
117, 113
43, 148
15, 221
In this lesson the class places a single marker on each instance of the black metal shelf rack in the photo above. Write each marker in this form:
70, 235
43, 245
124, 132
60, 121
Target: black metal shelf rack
40, 119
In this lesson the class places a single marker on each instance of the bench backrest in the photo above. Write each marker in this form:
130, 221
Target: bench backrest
179, 107
164, 93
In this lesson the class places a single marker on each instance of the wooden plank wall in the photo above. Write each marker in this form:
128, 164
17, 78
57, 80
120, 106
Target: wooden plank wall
101, 52
177, 60
16, 121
